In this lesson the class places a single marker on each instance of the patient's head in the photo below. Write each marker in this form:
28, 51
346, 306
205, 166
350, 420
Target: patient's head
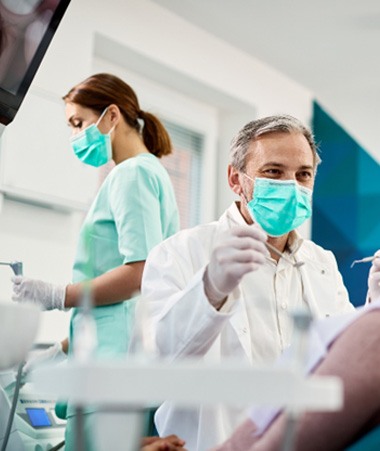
2, 35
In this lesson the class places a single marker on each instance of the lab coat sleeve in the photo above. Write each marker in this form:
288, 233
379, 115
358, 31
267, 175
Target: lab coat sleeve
183, 321
343, 303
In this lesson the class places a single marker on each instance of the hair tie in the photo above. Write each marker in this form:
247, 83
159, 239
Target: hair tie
140, 114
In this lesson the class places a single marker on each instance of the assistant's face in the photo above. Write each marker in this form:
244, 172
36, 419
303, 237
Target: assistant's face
79, 117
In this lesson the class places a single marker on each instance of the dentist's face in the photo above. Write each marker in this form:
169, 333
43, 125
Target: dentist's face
282, 156
279, 156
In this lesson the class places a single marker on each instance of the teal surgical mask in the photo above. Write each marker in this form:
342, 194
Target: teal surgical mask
279, 206
91, 146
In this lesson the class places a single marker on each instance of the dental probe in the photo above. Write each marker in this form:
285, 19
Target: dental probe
364, 260
282, 255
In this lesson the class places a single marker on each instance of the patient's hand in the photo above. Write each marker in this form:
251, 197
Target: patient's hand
169, 443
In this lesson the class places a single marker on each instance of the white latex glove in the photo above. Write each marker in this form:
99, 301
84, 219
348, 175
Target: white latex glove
374, 279
44, 294
53, 354
241, 251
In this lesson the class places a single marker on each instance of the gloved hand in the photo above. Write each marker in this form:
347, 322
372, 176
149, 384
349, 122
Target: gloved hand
241, 251
44, 294
374, 279
53, 354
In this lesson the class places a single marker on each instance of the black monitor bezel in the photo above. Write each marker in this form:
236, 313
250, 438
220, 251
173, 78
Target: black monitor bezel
10, 102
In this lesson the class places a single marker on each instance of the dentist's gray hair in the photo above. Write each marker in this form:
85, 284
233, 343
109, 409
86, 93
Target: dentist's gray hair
271, 124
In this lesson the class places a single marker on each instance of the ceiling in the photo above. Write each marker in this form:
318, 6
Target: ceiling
330, 47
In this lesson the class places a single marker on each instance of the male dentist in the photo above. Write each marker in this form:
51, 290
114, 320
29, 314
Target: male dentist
215, 291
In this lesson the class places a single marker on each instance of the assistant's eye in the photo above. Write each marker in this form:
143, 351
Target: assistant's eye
77, 124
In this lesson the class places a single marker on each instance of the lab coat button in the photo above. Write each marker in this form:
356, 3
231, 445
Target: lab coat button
323, 271
244, 330
284, 306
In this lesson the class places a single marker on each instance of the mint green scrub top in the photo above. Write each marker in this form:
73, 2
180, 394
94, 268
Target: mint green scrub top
134, 210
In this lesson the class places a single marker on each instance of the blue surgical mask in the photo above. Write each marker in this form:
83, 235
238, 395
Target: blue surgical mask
279, 206
91, 146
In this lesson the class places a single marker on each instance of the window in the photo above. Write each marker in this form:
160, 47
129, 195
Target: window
184, 167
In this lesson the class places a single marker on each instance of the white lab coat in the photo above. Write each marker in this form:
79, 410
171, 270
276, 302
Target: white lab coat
184, 323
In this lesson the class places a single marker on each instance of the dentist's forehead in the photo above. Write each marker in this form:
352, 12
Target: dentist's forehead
285, 149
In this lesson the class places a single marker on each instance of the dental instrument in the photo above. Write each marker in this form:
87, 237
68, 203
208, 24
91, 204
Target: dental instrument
364, 260
16, 267
27, 418
302, 319
85, 337
282, 255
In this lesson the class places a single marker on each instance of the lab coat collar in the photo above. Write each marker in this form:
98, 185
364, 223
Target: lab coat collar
233, 214
295, 241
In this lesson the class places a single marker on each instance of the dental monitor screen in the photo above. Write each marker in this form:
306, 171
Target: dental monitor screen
26, 30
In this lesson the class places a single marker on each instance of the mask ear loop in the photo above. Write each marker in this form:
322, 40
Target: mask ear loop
101, 116
244, 197
242, 191
112, 129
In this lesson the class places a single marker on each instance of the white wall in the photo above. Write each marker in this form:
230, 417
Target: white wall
44, 240
145, 38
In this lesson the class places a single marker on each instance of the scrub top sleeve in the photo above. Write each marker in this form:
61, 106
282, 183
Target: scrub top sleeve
135, 205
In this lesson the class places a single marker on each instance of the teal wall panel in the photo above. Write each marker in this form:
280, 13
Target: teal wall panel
346, 202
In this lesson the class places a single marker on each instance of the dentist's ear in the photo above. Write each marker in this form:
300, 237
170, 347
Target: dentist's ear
234, 180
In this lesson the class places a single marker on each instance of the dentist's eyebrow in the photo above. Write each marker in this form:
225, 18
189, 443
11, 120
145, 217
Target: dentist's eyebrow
274, 163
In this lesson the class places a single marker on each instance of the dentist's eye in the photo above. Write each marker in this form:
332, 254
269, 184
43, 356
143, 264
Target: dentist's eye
273, 172
305, 175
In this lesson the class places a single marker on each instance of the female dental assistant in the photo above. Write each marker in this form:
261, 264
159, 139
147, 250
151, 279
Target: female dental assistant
133, 211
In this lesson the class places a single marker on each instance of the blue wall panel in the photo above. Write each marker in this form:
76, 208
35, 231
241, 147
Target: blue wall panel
346, 202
